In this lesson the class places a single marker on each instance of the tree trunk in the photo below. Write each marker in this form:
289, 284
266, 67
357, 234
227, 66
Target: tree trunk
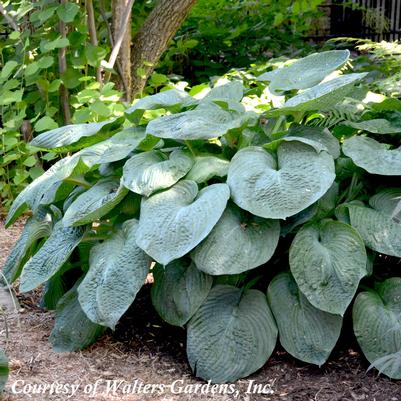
119, 8
153, 38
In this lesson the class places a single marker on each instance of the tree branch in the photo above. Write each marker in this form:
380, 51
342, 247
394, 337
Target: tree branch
111, 40
62, 62
8, 18
120, 37
92, 33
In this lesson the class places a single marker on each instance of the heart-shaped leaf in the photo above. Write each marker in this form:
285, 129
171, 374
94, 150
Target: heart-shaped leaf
148, 172
327, 262
171, 99
118, 147
373, 156
207, 167
117, 271
178, 291
46, 189
320, 97
95, 202
4, 370
207, 121
377, 326
306, 332
72, 329
75, 136
379, 230
51, 256
231, 335
174, 221
375, 126
306, 72
37, 226
236, 245
279, 186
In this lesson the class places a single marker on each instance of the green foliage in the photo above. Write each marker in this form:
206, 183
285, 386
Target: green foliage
208, 185
211, 40
30, 82
4, 369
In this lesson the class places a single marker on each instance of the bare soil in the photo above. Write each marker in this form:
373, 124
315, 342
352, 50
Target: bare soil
145, 350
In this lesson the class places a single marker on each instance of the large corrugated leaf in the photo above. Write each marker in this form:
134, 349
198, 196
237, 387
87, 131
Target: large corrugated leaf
207, 167
387, 201
372, 156
118, 147
306, 72
375, 126
174, 221
231, 91
45, 189
236, 245
72, 329
207, 121
378, 230
172, 99
117, 271
320, 97
305, 332
95, 202
377, 326
36, 227
231, 335
4, 370
327, 261
320, 135
76, 136
149, 172
279, 186
51, 256
178, 291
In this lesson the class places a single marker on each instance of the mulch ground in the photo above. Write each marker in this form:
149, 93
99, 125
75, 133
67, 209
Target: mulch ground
144, 350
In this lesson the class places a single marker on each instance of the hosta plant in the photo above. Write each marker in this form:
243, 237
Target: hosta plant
266, 211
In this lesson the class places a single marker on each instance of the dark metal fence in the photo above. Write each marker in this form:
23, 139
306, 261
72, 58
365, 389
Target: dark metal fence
371, 19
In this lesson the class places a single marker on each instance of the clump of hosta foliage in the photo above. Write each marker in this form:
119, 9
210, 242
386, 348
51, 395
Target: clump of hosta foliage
264, 203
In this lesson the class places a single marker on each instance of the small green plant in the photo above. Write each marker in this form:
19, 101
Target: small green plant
226, 189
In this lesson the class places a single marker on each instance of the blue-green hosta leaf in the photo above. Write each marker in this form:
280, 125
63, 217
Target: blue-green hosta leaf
320, 97
231, 335
207, 167
388, 202
231, 91
172, 99
179, 290
75, 136
327, 262
148, 172
373, 156
72, 329
317, 134
306, 332
117, 271
51, 256
378, 230
45, 189
118, 147
279, 186
306, 72
95, 202
207, 121
377, 326
235, 246
4, 370
174, 221
37, 226
375, 126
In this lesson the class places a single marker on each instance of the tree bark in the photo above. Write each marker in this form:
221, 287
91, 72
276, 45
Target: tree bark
119, 8
92, 33
153, 38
